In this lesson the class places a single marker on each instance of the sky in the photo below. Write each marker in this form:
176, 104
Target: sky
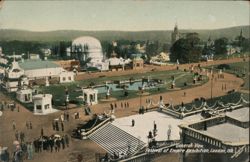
130, 15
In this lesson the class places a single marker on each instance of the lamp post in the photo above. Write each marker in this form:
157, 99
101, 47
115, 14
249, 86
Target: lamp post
212, 78
140, 96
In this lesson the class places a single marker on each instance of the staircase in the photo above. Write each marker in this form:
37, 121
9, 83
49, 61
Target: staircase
115, 140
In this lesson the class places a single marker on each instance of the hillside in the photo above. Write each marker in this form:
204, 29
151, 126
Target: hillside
162, 36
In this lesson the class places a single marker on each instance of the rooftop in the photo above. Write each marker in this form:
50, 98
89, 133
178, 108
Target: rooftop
240, 114
145, 123
37, 64
228, 132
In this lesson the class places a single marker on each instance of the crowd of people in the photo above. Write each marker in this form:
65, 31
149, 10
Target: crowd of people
53, 143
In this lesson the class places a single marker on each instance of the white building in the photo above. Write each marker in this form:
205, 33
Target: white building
34, 56
3, 61
47, 52
42, 104
24, 95
84, 48
66, 77
12, 75
34, 69
90, 96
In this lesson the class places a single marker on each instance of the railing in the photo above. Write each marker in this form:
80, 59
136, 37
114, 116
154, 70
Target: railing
171, 112
243, 124
146, 156
191, 131
84, 135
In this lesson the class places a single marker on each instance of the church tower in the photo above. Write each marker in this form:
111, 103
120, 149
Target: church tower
175, 34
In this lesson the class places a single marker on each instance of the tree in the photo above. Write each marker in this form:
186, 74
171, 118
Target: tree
220, 46
84, 63
208, 50
152, 48
187, 49
62, 50
246, 45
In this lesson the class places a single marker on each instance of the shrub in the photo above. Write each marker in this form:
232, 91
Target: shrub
223, 66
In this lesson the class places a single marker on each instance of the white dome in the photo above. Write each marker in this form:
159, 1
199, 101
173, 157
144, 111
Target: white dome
93, 45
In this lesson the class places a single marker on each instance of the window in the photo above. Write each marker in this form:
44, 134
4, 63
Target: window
39, 107
69, 78
46, 106
64, 78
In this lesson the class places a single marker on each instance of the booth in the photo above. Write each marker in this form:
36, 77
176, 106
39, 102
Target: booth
42, 104
90, 96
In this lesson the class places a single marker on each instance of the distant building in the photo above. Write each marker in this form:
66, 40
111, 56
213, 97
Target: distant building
116, 64
3, 61
33, 70
141, 48
138, 63
47, 52
66, 77
34, 56
89, 48
210, 42
16, 57
24, 93
161, 57
175, 35
69, 65
11, 77
232, 50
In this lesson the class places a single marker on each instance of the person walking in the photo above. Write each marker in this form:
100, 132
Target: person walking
58, 144
41, 132
30, 150
57, 126
22, 136
30, 125
27, 124
133, 122
155, 126
169, 132
62, 125
67, 140
67, 116
13, 124
53, 125
111, 106
55, 143
17, 135
63, 142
